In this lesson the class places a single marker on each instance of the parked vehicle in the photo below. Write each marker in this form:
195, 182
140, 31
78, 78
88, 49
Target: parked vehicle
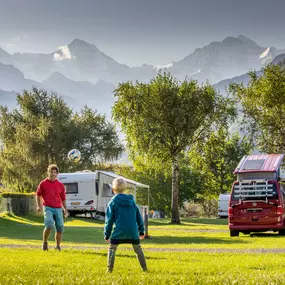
223, 205
90, 192
257, 198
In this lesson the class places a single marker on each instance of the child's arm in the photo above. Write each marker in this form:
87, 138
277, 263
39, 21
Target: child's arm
139, 222
109, 222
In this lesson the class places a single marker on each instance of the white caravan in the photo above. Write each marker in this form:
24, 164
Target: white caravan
223, 205
90, 192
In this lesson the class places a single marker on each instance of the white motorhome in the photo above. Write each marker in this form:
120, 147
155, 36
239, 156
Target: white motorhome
90, 192
223, 205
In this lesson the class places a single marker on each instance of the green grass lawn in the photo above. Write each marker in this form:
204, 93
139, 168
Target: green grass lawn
88, 266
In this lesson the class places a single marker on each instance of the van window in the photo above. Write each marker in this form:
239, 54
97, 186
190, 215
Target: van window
256, 191
107, 190
71, 188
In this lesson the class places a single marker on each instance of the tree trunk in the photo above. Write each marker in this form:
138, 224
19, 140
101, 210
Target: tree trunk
175, 219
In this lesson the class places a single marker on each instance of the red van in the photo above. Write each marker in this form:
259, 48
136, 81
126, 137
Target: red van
257, 198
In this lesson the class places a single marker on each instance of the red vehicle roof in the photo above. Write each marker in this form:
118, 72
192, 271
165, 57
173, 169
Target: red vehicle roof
259, 163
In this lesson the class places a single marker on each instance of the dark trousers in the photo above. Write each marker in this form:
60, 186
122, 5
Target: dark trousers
112, 253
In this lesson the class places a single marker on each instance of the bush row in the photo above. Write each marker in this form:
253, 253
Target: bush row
16, 195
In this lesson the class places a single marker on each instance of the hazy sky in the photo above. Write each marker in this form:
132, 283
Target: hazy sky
138, 31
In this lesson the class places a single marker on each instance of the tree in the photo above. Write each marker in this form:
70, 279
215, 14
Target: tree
263, 103
42, 131
159, 182
216, 158
96, 138
163, 118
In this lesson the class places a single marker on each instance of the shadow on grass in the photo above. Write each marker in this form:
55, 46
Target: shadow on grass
221, 222
39, 219
188, 222
20, 230
193, 240
120, 254
271, 235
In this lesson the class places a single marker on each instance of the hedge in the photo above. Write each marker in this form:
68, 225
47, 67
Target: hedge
16, 195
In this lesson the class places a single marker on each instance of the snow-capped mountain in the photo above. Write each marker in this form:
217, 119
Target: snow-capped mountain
221, 60
79, 61
81, 72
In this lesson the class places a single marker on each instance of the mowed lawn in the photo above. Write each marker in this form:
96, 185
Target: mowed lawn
199, 251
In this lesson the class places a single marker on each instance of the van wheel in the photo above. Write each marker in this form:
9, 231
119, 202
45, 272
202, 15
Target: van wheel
281, 232
234, 233
71, 214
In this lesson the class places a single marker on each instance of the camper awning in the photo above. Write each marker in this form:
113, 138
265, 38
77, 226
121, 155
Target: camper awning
131, 183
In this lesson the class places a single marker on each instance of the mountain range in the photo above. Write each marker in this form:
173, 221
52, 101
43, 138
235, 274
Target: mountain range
82, 74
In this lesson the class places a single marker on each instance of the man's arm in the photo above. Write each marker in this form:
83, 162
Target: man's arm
64, 205
39, 203
63, 201
39, 193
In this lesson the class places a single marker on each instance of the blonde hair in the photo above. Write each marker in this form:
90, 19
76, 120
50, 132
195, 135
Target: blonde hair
119, 185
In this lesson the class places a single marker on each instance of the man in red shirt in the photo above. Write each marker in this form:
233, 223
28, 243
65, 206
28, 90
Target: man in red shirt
52, 193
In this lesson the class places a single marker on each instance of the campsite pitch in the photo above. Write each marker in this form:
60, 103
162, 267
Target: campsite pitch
198, 252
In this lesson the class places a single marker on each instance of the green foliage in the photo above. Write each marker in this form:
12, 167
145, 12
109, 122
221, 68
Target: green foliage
216, 158
16, 195
42, 131
164, 118
161, 119
263, 102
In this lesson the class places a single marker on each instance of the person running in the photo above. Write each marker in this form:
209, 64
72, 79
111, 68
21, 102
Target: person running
51, 199
123, 212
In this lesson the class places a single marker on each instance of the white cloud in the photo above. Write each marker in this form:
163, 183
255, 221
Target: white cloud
63, 53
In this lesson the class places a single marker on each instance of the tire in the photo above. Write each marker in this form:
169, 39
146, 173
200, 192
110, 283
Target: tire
72, 214
234, 233
281, 232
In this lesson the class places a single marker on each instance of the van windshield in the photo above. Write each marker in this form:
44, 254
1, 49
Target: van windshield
254, 191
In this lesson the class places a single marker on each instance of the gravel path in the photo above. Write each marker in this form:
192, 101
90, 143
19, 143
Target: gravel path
209, 250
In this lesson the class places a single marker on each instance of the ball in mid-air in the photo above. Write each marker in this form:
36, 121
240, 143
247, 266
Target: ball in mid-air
74, 155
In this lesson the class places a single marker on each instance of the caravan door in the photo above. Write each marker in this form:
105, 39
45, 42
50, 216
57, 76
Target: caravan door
81, 195
80, 192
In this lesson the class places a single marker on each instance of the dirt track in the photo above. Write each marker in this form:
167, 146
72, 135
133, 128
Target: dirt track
209, 250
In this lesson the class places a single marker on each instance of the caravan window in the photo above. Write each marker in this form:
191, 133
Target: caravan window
71, 188
107, 190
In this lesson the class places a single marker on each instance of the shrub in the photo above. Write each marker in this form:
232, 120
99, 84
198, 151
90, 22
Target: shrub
191, 209
210, 207
16, 195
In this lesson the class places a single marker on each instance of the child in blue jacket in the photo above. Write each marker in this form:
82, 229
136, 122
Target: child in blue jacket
129, 228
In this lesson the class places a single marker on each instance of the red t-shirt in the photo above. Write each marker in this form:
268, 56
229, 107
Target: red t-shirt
52, 192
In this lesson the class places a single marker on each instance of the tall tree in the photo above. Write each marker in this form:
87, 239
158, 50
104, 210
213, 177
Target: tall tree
216, 158
42, 131
163, 118
263, 104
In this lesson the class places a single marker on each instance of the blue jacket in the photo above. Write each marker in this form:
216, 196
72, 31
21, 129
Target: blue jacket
124, 213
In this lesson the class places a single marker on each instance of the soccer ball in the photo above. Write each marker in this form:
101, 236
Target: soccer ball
74, 155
